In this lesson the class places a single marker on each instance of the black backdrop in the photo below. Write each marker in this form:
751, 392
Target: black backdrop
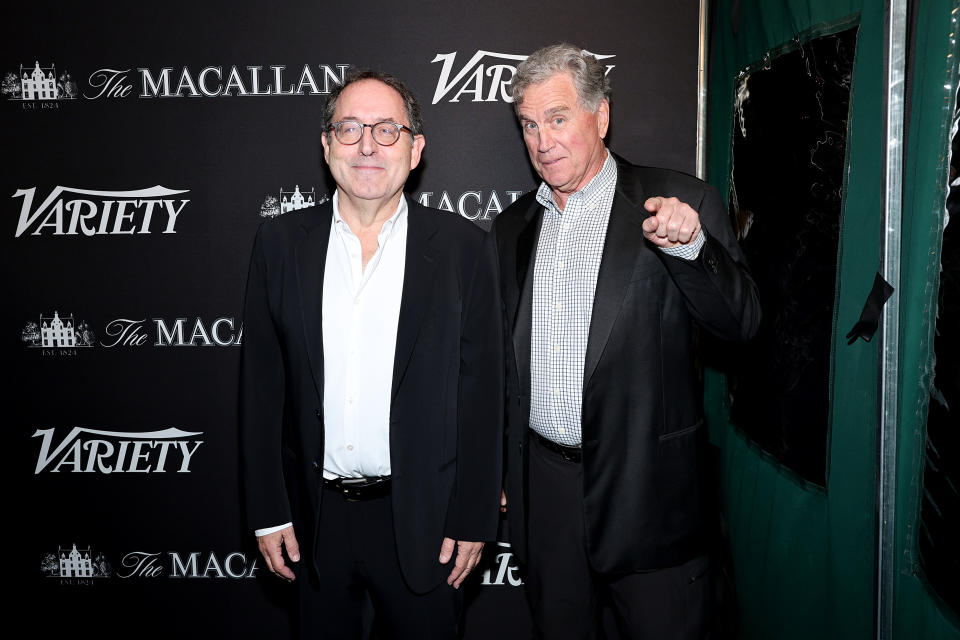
132, 200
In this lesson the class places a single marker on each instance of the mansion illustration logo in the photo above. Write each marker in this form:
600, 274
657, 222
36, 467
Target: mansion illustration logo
54, 335
290, 201
484, 78
38, 84
75, 566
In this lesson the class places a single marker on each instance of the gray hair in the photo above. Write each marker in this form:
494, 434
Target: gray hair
588, 75
356, 75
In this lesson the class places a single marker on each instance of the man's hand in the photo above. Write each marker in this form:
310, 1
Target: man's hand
271, 547
468, 555
671, 222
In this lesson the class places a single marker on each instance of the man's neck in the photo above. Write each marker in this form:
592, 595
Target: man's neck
366, 215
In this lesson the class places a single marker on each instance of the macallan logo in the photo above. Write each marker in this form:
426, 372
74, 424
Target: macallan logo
472, 205
153, 564
140, 211
484, 78
182, 332
214, 81
97, 451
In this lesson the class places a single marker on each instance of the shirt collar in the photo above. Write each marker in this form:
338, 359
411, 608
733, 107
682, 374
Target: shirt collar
605, 179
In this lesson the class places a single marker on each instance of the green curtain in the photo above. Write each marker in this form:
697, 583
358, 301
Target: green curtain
804, 556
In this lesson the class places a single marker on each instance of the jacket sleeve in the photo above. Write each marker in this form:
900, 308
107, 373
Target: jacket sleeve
473, 513
717, 286
261, 401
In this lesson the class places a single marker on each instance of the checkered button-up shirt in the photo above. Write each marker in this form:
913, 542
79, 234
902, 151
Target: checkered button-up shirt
564, 281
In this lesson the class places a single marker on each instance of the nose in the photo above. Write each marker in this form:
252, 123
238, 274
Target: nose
545, 140
367, 145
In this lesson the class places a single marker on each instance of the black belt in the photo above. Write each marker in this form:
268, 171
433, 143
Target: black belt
570, 454
356, 489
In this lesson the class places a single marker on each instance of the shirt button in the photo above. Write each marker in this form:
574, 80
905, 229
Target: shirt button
561, 430
556, 392
560, 265
566, 225
349, 447
559, 305
556, 348
591, 206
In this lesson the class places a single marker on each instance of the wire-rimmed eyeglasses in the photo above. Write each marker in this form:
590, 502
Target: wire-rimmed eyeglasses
384, 133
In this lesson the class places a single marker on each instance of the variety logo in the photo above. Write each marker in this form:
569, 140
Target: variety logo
146, 564
97, 451
484, 78
290, 201
505, 570
140, 211
39, 85
472, 205
56, 335
75, 566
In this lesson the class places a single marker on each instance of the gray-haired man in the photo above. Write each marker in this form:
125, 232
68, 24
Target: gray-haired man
605, 270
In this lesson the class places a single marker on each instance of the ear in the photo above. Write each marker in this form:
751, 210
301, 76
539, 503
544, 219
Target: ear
603, 118
325, 141
419, 142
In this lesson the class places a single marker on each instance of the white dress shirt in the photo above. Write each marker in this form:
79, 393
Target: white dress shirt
361, 310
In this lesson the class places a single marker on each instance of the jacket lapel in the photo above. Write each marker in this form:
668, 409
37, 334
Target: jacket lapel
523, 321
623, 246
310, 256
419, 272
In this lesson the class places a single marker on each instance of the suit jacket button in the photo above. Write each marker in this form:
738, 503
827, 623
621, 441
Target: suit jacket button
317, 466
318, 414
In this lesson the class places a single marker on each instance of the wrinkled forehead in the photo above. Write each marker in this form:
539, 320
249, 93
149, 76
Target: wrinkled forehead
554, 94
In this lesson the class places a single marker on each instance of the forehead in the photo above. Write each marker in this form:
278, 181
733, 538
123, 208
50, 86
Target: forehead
370, 98
555, 92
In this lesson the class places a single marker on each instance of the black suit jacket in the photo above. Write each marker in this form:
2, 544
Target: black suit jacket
446, 410
641, 418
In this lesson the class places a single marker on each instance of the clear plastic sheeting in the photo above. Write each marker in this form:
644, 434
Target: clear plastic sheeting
789, 150
940, 506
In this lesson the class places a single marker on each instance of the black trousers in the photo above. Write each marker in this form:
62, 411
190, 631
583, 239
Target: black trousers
358, 563
563, 590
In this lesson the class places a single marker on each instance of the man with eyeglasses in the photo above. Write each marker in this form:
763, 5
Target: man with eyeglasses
371, 384
606, 269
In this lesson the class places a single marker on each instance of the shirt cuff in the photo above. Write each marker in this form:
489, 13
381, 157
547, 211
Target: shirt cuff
688, 251
263, 532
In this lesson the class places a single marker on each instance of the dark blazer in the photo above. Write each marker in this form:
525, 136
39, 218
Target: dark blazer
446, 410
641, 413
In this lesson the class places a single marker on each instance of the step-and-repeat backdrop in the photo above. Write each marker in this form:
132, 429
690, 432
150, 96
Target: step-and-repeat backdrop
144, 144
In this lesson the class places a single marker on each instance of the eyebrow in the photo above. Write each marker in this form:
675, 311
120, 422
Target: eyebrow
375, 120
